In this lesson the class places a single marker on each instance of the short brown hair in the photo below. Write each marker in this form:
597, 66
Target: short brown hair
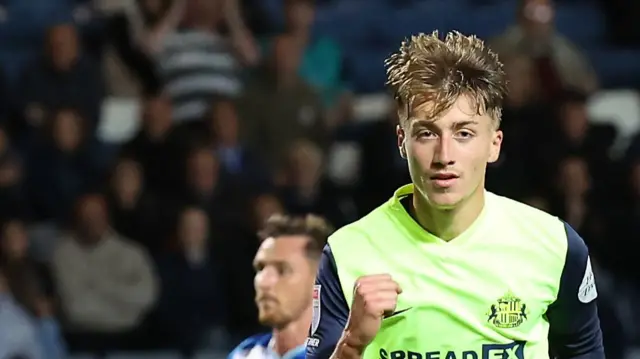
429, 69
316, 228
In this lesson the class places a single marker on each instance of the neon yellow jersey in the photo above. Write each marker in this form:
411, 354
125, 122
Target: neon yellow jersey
516, 284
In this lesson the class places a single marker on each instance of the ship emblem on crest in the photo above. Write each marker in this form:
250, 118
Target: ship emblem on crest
508, 312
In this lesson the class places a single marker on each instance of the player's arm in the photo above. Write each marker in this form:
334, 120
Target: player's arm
574, 327
333, 314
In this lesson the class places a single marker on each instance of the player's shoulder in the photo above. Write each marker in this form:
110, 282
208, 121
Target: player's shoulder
533, 222
376, 221
257, 341
519, 208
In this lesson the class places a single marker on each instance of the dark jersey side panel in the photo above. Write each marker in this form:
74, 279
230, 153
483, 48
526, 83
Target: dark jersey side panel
574, 327
329, 321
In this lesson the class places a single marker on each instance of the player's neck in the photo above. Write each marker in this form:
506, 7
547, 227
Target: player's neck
293, 334
450, 223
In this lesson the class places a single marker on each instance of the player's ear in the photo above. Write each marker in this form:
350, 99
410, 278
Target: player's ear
401, 141
496, 144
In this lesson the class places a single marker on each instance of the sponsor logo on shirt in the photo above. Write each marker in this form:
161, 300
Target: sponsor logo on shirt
313, 342
587, 291
315, 320
513, 350
508, 312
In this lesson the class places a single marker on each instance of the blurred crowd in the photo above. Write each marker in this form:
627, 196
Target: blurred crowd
149, 244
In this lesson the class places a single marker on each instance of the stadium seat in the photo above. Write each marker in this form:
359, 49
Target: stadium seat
12, 63
349, 26
616, 68
367, 73
273, 11
583, 24
484, 21
410, 21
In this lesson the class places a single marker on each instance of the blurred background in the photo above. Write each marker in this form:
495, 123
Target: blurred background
142, 144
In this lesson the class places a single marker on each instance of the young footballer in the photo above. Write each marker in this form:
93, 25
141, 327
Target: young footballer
445, 269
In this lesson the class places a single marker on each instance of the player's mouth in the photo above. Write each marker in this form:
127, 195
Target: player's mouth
267, 300
444, 179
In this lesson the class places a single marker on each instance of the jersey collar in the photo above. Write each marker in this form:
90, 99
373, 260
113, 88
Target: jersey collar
291, 354
407, 220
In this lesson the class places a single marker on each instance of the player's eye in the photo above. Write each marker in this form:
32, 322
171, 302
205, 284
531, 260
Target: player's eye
464, 134
283, 269
426, 134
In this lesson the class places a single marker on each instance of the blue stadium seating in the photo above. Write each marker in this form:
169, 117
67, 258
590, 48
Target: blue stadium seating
368, 31
617, 68
584, 24
487, 20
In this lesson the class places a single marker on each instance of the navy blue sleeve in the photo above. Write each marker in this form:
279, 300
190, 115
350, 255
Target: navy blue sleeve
330, 312
574, 327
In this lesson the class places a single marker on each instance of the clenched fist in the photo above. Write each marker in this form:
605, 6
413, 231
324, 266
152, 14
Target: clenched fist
374, 296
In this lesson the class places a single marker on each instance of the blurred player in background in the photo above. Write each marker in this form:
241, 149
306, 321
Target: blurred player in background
286, 264
445, 269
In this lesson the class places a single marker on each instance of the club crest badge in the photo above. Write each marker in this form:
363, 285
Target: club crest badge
508, 312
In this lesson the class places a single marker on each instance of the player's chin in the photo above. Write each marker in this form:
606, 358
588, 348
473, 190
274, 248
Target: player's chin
444, 200
267, 316
270, 319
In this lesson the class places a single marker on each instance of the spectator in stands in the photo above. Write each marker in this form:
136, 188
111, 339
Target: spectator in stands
308, 191
578, 136
577, 202
11, 174
279, 93
106, 283
64, 77
575, 185
157, 146
192, 303
559, 64
223, 200
136, 31
30, 283
265, 206
135, 212
49, 331
193, 83
63, 163
223, 132
627, 220
18, 333
525, 115
321, 63
29, 280
382, 170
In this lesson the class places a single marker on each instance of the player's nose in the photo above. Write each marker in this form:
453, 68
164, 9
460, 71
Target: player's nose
267, 278
443, 151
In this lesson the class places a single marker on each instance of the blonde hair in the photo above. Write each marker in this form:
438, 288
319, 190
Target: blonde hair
427, 69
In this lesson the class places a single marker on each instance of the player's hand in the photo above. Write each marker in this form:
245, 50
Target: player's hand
374, 296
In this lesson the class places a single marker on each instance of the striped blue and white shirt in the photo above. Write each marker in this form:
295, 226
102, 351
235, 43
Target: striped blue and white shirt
197, 66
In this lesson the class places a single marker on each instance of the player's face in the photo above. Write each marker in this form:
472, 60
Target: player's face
448, 156
284, 280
